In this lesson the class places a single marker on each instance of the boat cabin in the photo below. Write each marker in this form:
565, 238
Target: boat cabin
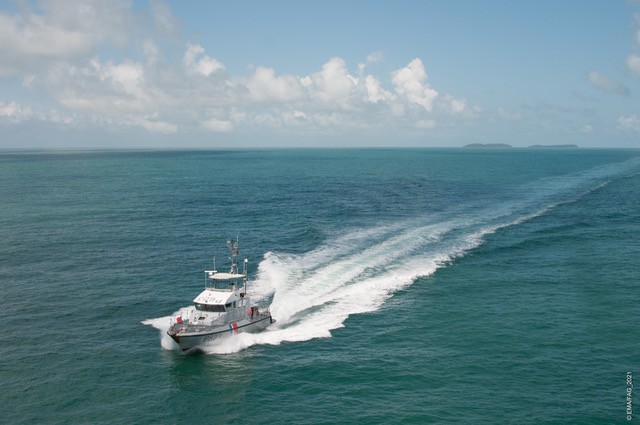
224, 292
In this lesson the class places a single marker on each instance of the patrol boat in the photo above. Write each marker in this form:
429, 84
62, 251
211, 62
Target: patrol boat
222, 310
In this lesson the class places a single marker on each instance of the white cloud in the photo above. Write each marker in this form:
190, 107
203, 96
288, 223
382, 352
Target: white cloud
237, 116
102, 63
375, 57
156, 126
126, 77
375, 92
150, 51
265, 86
606, 84
217, 125
333, 85
630, 123
633, 63
397, 110
163, 19
60, 29
426, 124
410, 83
141, 94
453, 105
58, 117
328, 120
109, 92
295, 118
198, 63
14, 113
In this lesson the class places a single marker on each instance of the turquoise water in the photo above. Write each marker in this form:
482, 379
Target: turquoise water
410, 286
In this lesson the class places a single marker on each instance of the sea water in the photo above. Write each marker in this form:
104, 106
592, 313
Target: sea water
409, 286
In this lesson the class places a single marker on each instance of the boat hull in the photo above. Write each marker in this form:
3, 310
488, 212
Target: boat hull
190, 342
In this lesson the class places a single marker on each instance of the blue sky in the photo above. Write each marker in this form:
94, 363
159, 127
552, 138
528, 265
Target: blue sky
155, 74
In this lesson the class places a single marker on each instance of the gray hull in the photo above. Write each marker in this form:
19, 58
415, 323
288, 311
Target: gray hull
192, 339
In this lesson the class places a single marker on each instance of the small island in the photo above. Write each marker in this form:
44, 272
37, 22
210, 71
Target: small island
555, 146
488, 145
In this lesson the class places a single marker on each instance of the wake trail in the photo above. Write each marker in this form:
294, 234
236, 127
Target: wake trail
356, 272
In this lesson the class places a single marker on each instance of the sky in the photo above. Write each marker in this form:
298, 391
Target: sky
257, 74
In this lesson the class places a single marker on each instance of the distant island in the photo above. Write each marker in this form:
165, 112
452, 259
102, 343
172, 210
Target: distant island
555, 146
504, 145
488, 145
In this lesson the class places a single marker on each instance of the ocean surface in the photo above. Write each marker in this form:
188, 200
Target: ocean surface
410, 286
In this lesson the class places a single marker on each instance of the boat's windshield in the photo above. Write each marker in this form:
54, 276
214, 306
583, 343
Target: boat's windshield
223, 285
207, 307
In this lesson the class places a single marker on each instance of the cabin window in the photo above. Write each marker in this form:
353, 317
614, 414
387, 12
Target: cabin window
228, 306
216, 308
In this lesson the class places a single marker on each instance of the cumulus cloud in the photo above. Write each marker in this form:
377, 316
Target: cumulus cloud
375, 91
333, 85
630, 123
126, 77
155, 125
374, 57
91, 68
453, 105
633, 64
60, 29
198, 63
426, 124
606, 84
217, 125
410, 83
105, 88
265, 86
14, 113
587, 128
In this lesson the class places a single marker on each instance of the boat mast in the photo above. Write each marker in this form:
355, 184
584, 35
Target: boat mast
244, 272
233, 246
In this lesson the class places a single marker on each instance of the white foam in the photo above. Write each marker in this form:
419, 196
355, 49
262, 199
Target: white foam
314, 293
356, 272
163, 324
310, 299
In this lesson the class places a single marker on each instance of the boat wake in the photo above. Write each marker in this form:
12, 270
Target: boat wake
163, 324
315, 292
